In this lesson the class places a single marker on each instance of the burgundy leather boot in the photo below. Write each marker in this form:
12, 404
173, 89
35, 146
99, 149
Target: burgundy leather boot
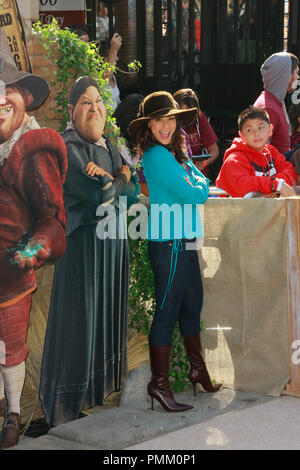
159, 387
198, 371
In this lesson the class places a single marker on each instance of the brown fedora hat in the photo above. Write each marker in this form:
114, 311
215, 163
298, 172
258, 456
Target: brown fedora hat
161, 104
10, 75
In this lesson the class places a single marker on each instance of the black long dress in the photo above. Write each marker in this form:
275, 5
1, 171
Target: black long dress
85, 350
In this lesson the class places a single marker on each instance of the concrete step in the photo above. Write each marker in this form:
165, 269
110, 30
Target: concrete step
119, 428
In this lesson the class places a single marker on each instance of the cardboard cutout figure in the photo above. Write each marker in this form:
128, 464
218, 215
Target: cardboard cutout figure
33, 166
88, 312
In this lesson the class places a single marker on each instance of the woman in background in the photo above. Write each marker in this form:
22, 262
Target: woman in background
202, 138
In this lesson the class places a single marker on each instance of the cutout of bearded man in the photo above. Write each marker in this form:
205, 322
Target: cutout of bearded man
33, 166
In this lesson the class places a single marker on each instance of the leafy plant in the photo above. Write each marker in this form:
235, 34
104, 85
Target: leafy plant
132, 68
73, 58
141, 293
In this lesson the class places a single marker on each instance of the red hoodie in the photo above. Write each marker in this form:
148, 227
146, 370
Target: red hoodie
244, 169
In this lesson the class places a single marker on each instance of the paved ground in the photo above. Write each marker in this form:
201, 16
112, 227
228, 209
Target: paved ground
224, 420
272, 425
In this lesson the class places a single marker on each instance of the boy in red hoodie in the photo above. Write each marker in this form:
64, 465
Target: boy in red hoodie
253, 167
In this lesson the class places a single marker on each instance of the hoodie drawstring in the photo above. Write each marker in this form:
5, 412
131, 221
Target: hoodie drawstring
176, 248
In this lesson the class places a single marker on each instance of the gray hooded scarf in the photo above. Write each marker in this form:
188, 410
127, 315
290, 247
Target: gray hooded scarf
276, 72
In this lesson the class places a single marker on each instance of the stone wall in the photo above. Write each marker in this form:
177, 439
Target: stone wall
43, 67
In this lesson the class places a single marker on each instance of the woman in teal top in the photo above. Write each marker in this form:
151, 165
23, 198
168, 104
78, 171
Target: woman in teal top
176, 187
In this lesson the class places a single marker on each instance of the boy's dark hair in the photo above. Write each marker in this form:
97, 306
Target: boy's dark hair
252, 113
295, 61
294, 114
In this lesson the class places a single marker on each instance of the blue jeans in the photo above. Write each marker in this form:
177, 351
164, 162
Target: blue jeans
184, 299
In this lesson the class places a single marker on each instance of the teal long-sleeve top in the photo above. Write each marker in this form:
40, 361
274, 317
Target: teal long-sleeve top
175, 192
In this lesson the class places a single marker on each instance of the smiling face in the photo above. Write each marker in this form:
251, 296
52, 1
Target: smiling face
89, 114
163, 128
256, 133
12, 112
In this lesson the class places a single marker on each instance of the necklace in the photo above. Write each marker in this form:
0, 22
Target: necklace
187, 169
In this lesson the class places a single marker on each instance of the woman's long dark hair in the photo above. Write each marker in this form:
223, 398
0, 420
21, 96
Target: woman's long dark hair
145, 139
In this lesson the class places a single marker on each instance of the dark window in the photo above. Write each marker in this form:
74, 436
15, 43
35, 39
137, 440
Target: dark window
236, 31
149, 38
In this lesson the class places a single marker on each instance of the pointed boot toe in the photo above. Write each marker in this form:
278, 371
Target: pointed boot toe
159, 387
166, 399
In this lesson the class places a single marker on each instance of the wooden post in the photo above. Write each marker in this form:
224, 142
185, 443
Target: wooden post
293, 279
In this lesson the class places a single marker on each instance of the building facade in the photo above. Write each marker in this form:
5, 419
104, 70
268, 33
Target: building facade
213, 46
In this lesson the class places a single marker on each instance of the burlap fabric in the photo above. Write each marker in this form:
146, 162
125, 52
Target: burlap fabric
246, 301
251, 276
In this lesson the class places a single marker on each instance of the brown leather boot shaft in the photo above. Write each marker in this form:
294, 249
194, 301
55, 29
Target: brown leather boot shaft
198, 371
159, 387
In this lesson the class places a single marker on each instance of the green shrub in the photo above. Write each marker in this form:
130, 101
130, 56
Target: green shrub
73, 58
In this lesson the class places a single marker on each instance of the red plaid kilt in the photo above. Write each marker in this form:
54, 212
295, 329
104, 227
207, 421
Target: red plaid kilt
13, 331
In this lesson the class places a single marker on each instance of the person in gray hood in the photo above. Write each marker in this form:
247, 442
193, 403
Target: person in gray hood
280, 73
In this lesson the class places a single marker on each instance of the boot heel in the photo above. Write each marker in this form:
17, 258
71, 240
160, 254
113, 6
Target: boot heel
152, 404
167, 401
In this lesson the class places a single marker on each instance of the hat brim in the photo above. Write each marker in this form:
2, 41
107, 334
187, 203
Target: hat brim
37, 86
186, 116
